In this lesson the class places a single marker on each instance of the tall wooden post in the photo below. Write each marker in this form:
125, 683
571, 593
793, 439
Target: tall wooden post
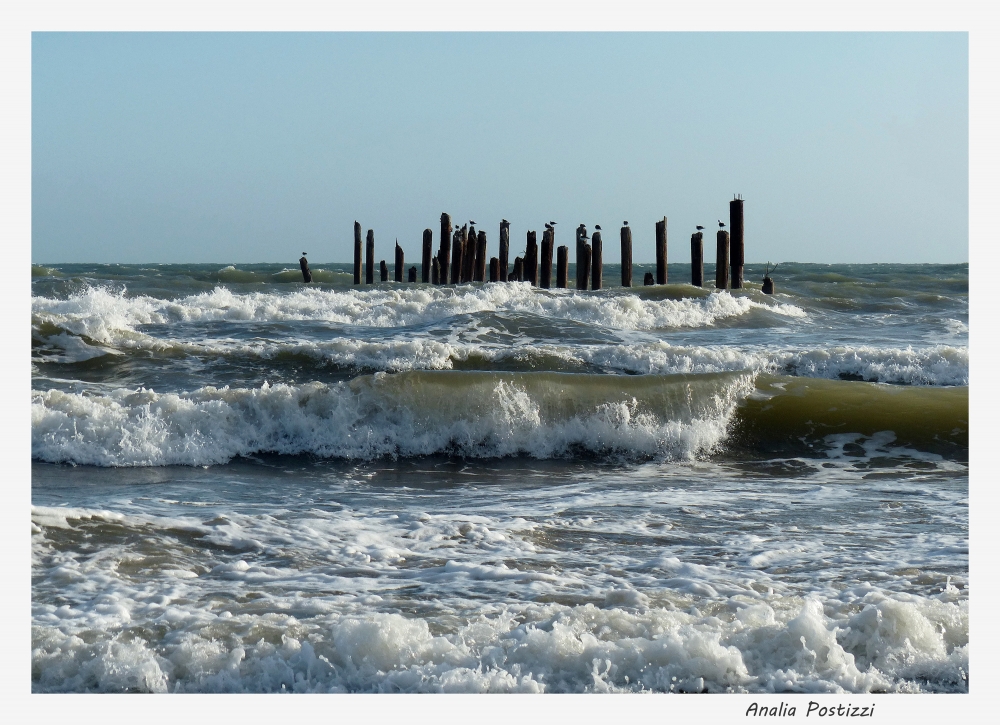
425, 259
626, 256
468, 254
383, 271
494, 269
545, 279
697, 260
562, 266
357, 253
597, 262
370, 257
444, 253
457, 250
518, 269
480, 275
581, 236
504, 250
736, 242
530, 263
661, 251
722, 259
412, 275
584, 261
398, 271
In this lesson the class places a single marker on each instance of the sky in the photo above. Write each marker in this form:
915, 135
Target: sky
237, 148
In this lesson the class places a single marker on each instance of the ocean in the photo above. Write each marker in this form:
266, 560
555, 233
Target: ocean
241, 483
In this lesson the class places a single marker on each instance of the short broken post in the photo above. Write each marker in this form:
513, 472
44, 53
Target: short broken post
518, 269
697, 259
562, 266
626, 256
383, 269
412, 275
494, 269
648, 279
436, 271
722, 259
661, 251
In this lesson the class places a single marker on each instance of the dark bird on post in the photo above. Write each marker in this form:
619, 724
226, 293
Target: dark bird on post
699, 227
504, 221
721, 224
552, 223
472, 223
548, 226
625, 224
597, 227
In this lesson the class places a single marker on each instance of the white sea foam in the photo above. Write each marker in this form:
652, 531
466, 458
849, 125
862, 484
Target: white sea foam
481, 415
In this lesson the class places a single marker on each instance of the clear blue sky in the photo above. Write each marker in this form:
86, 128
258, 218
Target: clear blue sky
252, 147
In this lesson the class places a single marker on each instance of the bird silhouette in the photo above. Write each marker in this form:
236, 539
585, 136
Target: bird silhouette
597, 227
721, 224
548, 226
472, 223
552, 223
625, 223
699, 227
504, 221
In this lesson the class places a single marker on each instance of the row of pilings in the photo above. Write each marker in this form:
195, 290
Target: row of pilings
461, 257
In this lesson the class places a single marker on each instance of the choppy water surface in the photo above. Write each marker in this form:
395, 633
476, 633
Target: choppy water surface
243, 483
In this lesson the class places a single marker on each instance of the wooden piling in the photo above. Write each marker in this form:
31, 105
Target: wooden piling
597, 262
411, 276
562, 266
648, 279
494, 269
697, 259
370, 258
586, 253
581, 236
436, 271
661, 251
504, 250
357, 253
530, 263
736, 243
545, 277
383, 269
768, 286
304, 266
457, 249
398, 269
722, 259
425, 259
518, 269
480, 275
626, 256
444, 252
468, 255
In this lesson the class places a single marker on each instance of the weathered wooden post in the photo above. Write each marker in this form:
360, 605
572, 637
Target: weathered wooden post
304, 266
722, 259
412, 275
648, 279
504, 250
357, 253
425, 259
697, 260
444, 252
436, 271
626, 256
494, 269
562, 266
581, 236
584, 261
530, 263
768, 286
383, 270
736, 242
457, 250
545, 280
370, 257
468, 255
661, 251
518, 269
480, 275
597, 262
398, 269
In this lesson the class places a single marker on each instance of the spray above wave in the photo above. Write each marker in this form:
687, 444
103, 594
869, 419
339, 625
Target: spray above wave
102, 315
478, 415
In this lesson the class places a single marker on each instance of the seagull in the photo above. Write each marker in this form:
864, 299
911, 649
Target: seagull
303, 254
597, 227
699, 227
552, 223
548, 226
472, 223
504, 221
625, 223
721, 224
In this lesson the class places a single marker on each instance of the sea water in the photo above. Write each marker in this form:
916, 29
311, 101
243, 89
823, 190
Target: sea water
242, 483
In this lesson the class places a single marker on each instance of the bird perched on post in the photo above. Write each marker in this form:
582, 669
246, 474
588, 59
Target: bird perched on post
472, 223
504, 221
552, 223
547, 225
597, 227
624, 224
699, 227
721, 224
